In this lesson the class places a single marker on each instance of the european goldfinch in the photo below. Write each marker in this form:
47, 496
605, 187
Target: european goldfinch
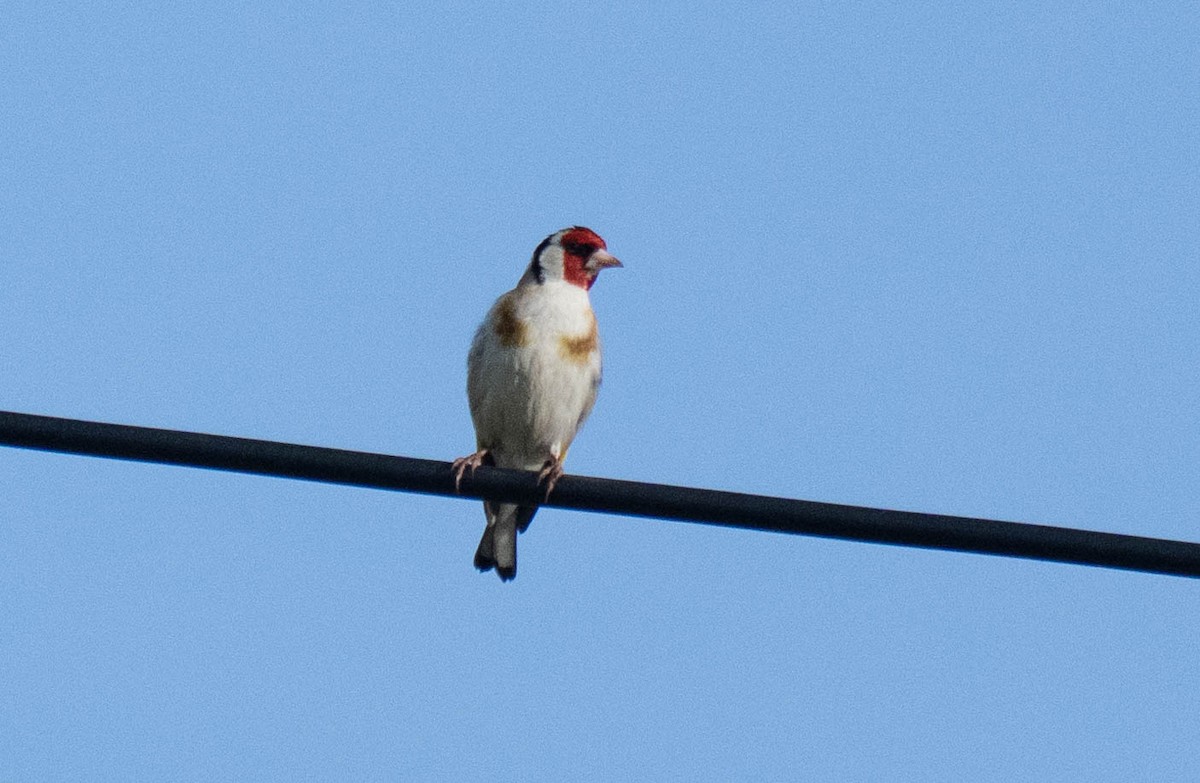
532, 376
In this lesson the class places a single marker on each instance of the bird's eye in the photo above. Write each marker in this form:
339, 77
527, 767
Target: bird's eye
579, 249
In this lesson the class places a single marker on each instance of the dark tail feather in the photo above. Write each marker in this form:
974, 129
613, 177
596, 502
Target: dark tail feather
484, 559
498, 546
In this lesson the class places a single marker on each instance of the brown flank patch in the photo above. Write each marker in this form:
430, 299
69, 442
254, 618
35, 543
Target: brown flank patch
578, 349
510, 329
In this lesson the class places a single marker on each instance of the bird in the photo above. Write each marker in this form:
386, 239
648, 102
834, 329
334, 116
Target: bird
533, 372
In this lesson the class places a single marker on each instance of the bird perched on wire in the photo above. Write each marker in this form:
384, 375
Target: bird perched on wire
532, 376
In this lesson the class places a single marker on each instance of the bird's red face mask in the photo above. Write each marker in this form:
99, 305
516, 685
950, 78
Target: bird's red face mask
584, 255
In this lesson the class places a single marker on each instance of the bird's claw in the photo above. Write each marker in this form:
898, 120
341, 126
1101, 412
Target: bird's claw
550, 474
463, 464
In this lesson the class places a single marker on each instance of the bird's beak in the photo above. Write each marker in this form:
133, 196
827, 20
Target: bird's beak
602, 259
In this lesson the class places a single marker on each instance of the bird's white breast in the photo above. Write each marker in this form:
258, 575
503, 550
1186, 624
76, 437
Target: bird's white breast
533, 373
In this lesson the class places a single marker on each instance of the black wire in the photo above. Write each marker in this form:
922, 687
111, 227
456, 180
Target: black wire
729, 509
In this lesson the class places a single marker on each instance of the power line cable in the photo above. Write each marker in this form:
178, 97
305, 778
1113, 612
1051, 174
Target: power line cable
728, 509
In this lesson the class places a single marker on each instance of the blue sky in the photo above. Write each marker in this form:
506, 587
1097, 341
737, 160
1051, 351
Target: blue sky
939, 258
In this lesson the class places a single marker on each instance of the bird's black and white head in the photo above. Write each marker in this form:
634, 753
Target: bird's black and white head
575, 255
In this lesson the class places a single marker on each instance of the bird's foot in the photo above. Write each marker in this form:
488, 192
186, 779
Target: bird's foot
550, 474
463, 464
